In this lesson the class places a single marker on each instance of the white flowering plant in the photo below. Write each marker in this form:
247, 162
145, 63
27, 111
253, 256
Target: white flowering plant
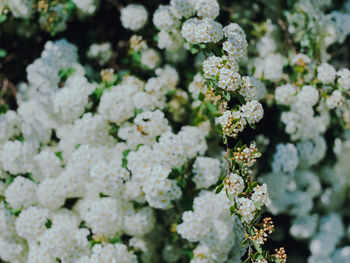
198, 131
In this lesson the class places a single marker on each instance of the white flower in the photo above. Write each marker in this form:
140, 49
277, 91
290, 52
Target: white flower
229, 79
252, 111
300, 60
336, 100
134, 17
344, 78
207, 8
166, 18
326, 73
285, 94
150, 58
308, 95
197, 31
249, 88
21, 193
171, 41
185, 7
234, 184
102, 52
86, 6
247, 209
286, 158
211, 66
260, 195
207, 172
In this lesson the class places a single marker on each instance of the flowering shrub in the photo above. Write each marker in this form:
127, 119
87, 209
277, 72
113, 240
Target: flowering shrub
197, 131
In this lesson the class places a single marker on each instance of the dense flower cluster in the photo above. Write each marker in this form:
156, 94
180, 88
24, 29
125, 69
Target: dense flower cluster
166, 131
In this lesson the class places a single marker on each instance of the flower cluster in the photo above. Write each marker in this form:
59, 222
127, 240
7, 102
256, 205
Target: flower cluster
138, 139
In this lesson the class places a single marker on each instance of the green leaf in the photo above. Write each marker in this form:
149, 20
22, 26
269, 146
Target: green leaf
188, 253
138, 146
212, 108
9, 180
247, 260
255, 255
201, 96
3, 18
59, 155
115, 240
3, 53
137, 111
65, 73
48, 223
70, 5
155, 38
124, 160
226, 95
194, 50
233, 209
102, 195
241, 98
257, 246
136, 57
4, 108
219, 188
252, 125
244, 242
257, 205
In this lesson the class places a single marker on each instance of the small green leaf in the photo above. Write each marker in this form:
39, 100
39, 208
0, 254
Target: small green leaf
226, 95
255, 255
244, 242
232, 209
219, 188
137, 111
257, 246
212, 108
194, 50
48, 223
59, 155
252, 125
201, 96
102, 195
241, 98
3, 53
3, 18
115, 240
65, 73
125, 160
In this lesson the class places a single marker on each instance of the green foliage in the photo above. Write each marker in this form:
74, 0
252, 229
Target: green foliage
3, 53
125, 160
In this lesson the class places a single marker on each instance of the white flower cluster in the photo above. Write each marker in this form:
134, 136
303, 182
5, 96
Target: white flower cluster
68, 154
102, 52
211, 225
134, 17
19, 8
269, 64
206, 171
86, 6
302, 121
167, 18
234, 121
